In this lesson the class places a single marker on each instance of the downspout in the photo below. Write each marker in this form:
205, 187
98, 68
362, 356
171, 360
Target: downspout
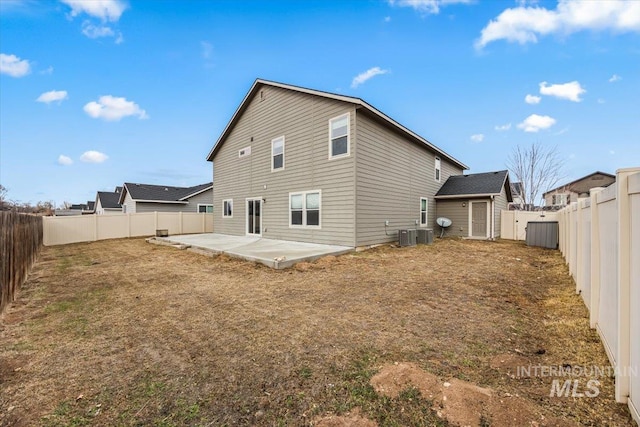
493, 217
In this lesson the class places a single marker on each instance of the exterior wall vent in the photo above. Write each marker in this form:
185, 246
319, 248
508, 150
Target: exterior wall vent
407, 237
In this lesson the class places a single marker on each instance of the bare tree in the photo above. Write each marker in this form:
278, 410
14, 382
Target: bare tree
538, 168
4, 205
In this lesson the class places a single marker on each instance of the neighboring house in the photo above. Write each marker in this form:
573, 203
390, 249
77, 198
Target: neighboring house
136, 198
305, 165
565, 194
108, 202
84, 208
474, 203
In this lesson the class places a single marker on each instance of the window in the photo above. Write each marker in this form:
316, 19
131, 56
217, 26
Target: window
277, 154
205, 208
227, 208
124, 208
437, 176
560, 199
305, 209
424, 205
339, 136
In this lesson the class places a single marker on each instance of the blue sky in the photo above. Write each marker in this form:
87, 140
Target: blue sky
98, 92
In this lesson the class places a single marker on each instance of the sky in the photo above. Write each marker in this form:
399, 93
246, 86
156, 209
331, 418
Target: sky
94, 93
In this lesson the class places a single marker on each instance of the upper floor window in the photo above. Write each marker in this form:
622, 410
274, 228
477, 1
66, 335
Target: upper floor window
277, 153
560, 199
339, 136
437, 169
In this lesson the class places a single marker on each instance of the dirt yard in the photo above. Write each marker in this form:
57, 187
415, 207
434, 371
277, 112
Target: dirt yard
123, 332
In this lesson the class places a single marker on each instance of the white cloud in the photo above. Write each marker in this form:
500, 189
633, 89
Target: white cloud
207, 49
570, 91
106, 10
387, 19
48, 70
363, 77
532, 99
426, 6
615, 78
562, 131
478, 137
612, 152
52, 96
112, 108
601, 101
93, 157
96, 31
14, 66
525, 24
502, 128
534, 123
64, 160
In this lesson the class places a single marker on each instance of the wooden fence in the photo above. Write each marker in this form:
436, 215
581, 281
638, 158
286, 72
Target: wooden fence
61, 230
20, 242
600, 240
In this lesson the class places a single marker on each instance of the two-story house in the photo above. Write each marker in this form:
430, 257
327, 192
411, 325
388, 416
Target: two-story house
305, 165
563, 195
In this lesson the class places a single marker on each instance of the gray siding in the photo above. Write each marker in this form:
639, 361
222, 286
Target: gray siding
192, 206
500, 204
393, 173
458, 214
304, 121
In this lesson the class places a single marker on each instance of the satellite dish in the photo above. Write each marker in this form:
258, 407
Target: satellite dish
443, 223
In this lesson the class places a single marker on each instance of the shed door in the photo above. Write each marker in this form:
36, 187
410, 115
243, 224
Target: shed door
479, 219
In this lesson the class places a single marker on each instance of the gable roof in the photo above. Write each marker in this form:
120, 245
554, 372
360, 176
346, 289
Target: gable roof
578, 186
516, 188
109, 200
358, 102
161, 193
476, 185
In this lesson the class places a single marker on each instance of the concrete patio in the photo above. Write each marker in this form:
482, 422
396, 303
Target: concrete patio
276, 254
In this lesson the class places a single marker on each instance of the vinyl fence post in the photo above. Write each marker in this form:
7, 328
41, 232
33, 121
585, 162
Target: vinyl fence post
181, 219
95, 228
595, 258
155, 218
579, 238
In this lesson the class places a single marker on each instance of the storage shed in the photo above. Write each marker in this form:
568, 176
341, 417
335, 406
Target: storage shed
474, 203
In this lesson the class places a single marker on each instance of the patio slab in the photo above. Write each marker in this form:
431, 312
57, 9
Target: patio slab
276, 254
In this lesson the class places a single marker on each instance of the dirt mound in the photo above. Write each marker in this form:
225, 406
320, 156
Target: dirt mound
352, 419
509, 363
463, 403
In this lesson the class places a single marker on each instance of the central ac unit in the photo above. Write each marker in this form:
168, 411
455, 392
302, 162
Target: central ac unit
424, 236
407, 237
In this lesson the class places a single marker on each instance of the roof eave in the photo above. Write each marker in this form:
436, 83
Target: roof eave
196, 193
466, 196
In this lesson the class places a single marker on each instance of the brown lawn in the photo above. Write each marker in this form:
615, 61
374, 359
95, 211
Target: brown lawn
122, 332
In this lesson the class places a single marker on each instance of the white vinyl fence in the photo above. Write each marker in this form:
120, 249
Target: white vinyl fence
513, 224
600, 240
60, 230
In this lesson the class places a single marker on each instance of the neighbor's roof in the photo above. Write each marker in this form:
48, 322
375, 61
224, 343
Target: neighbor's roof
578, 186
109, 200
161, 193
476, 185
350, 99
516, 188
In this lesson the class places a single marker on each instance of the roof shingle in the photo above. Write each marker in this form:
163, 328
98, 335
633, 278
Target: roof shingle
487, 183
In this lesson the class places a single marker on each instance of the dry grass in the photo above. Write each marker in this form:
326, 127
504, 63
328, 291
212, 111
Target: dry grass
122, 332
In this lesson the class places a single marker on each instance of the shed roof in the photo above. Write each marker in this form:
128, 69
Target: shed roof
109, 200
476, 185
358, 102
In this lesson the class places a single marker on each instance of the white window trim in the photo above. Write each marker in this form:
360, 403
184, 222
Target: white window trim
204, 204
437, 167
426, 224
273, 155
223, 211
304, 209
348, 153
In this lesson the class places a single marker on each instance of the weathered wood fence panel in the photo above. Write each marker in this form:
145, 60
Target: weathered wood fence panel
20, 242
